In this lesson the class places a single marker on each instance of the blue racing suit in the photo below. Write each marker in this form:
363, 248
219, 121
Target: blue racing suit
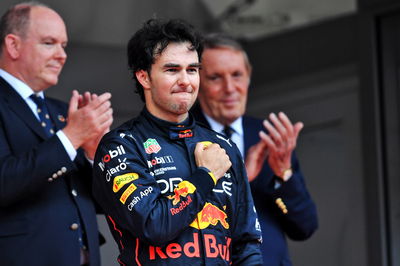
164, 210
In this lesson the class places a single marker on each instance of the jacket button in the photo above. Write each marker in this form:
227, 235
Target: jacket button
74, 226
73, 192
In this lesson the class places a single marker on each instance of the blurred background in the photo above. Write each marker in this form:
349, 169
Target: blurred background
333, 64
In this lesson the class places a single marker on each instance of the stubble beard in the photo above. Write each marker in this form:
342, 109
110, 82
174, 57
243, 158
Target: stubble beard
180, 108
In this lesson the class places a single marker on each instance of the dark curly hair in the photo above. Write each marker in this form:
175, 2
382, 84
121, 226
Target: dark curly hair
151, 40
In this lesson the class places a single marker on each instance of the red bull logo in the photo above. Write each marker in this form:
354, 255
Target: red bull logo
182, 205
191, 249
188, 133
182, 190
210, 215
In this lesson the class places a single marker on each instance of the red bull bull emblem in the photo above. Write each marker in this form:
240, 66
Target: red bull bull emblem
151, 146
210, 215
182, 190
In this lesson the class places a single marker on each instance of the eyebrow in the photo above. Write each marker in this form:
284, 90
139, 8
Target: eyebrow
53, 39
197, 65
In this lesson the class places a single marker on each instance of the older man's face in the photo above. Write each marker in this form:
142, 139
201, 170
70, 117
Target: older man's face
224, 81
42, 56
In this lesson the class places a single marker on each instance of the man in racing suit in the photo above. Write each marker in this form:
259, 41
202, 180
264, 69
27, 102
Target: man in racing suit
175, 192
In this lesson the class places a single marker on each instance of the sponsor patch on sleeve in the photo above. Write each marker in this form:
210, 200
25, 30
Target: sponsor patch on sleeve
122, 180
127, 193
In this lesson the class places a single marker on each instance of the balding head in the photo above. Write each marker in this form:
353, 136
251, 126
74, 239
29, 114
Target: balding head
35, 37
16, 20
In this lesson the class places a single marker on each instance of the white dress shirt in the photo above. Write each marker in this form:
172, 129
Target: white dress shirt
237, 134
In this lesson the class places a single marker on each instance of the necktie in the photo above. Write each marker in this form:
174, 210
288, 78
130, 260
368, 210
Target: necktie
228, 131
44, 116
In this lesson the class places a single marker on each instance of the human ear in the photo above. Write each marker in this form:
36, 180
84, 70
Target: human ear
144, 78
12, 45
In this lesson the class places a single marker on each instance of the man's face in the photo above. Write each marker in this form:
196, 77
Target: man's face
41, 54
224, 81
173, 83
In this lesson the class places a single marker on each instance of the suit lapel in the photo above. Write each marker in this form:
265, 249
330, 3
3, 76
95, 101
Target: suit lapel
251, 128
19, 107
245, 135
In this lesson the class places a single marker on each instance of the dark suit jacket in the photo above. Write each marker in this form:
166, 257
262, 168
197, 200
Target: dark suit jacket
301, 219
42, 192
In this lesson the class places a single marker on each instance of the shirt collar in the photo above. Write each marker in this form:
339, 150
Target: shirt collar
218, 127
19, 86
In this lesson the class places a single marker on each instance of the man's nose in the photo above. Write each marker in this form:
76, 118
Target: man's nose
229, 85
183, 79
60, 53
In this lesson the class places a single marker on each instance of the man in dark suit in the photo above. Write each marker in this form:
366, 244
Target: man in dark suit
47, 216
281, 198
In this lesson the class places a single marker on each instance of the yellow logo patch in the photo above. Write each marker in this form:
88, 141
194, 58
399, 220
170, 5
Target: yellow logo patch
122, 180
127, 193
206, 143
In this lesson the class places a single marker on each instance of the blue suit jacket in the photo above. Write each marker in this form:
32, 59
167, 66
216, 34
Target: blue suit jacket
42, 192
298, 223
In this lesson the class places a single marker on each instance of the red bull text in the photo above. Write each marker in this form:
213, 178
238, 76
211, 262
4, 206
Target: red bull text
191, 249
